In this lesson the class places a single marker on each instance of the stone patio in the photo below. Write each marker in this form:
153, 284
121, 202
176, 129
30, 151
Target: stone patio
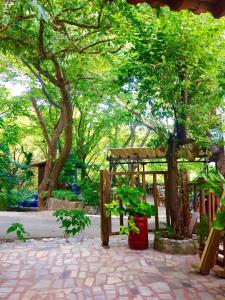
82, 269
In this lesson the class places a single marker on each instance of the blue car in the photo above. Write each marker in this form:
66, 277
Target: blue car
30, 201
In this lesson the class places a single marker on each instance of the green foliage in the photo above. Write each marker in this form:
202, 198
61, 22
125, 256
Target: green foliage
68, 172
65, 195
20, 231
72, 221
4, 203
215, 183
131, 227
219, 222
90, 191
13, 197
13, 173
202, 230
167, 232
169, 55
131, 205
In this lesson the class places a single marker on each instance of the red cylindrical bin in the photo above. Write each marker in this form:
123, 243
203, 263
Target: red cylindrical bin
139, 241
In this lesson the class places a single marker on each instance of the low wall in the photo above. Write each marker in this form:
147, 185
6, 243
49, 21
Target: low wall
188, 246
54, 204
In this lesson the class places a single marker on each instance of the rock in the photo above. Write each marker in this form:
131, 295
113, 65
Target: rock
186, 246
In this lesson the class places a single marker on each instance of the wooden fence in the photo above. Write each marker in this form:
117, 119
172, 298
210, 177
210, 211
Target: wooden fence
107, 178
203, 203
208, 204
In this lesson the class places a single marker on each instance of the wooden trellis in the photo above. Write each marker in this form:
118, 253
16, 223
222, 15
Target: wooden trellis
106, 197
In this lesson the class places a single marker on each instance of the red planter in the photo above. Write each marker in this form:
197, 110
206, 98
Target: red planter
139, 241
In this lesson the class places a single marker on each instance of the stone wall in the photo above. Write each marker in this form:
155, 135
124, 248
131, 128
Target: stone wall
54, 204
186, 246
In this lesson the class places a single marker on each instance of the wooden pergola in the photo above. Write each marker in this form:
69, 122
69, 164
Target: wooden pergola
215, 7
143, 156
136, 159
134, 162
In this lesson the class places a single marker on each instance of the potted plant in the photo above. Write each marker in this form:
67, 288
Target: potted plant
202, 232
131, 204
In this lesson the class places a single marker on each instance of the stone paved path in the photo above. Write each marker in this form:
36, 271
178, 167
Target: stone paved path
82, 269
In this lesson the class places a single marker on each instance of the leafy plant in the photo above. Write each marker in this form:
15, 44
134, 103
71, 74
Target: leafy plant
219, 222
90, 192
72, 221
214, 182
202, 230
4, 204
65, 195
20, 231
167, 232
131, 227
131, 205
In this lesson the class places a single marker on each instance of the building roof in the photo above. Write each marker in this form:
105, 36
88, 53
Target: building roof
38, 164
140, 153
215, 7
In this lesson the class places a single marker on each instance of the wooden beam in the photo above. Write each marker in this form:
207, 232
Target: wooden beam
155, 202
209, 254
104, 219
215, 7
178, 4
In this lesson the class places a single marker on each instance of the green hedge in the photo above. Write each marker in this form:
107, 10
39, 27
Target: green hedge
65, 195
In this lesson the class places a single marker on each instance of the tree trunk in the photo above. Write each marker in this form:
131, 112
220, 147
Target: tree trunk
53, 165
220, 160
173, 197
68, 137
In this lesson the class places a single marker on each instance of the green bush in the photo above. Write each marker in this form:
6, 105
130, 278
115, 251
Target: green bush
90, 191
4, 203
202, 229
65, 195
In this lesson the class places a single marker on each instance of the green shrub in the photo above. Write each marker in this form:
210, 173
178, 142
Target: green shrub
166, 232
202, 229
72, 221
4, 203
65, 195
90, 191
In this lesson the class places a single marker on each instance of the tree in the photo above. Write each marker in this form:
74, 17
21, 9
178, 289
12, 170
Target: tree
15, 171
173, 75
54, 40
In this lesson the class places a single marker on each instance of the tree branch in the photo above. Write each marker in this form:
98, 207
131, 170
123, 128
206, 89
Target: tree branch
46, 74
82, 25
145, 138
94, 44
135, 112
41, 41
43, 87
41, 121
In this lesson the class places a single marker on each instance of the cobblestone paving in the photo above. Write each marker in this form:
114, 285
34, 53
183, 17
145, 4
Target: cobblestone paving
82, 269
